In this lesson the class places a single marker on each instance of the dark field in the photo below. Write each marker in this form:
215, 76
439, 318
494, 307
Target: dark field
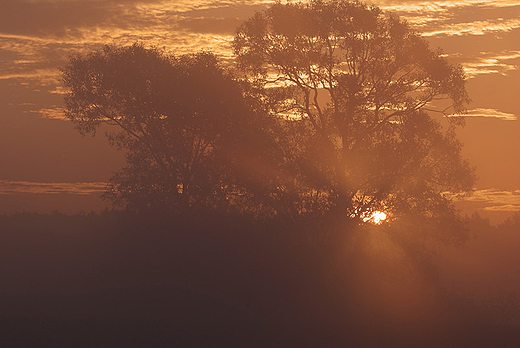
209, 280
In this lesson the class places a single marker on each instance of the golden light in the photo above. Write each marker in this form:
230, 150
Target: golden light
376, 217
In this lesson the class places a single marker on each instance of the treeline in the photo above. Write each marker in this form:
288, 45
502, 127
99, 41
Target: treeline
327, 108
120, 279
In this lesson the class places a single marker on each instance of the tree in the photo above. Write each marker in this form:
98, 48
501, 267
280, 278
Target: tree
358, 83
184, 123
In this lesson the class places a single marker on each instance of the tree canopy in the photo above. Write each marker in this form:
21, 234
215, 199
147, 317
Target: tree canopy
183, 122
330, 110
360, 82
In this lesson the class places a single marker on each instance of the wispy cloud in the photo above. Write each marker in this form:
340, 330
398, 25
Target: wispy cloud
62, 27
39, 74
54, 113
504, 208
458, 18
74, 188
494, 197
444, 6
489, 200
492, 63
493, 113
475, 28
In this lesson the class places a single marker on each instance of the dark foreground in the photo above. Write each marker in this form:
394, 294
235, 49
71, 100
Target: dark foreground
208, 280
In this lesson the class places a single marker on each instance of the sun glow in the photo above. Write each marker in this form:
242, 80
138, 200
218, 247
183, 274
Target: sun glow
376, 217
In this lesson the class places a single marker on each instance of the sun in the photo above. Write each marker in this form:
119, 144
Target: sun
376, 217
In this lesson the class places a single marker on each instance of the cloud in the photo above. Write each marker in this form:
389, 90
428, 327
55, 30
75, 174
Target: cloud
52, 19
41, 34
494, 197
210, 25
74, 188
475, 28
72, 20
491, 63
458, 18
444, 6
53, 113
504, 208
488, 200
493, 113
37, 37
39, 74
60, 28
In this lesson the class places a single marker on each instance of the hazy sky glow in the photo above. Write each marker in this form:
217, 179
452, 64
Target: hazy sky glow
37, 37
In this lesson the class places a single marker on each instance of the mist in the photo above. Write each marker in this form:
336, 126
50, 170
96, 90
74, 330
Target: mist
303, 189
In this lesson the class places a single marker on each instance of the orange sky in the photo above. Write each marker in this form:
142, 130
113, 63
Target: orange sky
37, 36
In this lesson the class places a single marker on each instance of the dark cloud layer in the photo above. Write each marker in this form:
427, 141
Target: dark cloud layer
54, 19
68, 19
210, 25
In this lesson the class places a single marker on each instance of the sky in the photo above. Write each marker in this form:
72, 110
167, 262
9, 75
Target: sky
46, 165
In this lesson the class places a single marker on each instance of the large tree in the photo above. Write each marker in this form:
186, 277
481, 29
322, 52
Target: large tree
358, 85
186, 125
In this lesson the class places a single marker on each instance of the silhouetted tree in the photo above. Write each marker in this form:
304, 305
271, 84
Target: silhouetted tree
512, 223
357, 83
186, 125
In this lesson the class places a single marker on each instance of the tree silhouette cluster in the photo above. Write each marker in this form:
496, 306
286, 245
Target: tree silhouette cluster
325, 111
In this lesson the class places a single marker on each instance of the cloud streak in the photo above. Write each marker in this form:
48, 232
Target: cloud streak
491, 200
494, 197
28, 187
486, 66
508, 208
53, 113
475, 28
37, 37
491, 113
445, 6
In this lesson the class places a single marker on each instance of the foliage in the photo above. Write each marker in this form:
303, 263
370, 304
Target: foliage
329, 116
358, 83
184, 123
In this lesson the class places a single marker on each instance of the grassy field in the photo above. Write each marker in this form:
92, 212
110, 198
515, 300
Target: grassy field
209, 280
